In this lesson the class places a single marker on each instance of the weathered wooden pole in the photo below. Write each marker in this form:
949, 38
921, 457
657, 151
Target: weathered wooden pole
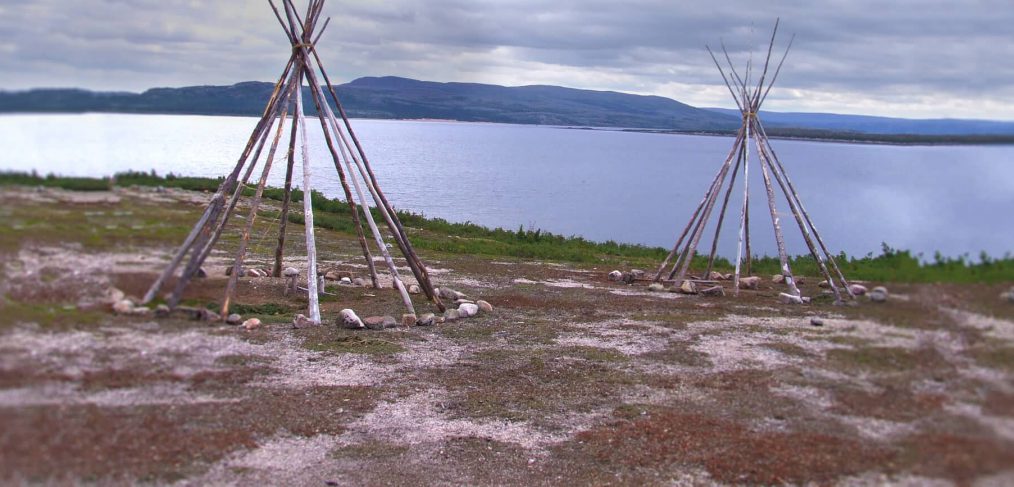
311, 244
783, 256
746, 199
721, 219
237, 265
283, 217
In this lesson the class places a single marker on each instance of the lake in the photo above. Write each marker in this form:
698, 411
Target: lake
602, 185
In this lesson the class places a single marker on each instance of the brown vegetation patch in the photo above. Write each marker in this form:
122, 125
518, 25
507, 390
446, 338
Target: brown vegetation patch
167, 443
896, 403
999, 403
959, 458
668, 439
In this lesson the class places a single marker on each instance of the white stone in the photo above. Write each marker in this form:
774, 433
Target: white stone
290, 271
467, 310
484, 306
656, 287
252, 324
751, 282
123, 306
414, 289
350, 320
688, 287
858, 289
787, 298
615, 276
879, 294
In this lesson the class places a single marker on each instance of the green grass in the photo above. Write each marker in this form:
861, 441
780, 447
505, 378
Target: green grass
437, 234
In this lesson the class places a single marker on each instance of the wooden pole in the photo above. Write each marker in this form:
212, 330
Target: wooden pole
311, 245
792, 195
746, 198
286, 196
721, 218
693, 217
237, 265
319, 104
783, 256
223, 188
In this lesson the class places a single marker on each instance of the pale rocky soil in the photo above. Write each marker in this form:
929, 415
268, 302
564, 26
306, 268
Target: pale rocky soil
571, 380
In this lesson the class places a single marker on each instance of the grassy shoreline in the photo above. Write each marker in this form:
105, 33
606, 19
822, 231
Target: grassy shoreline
437, 234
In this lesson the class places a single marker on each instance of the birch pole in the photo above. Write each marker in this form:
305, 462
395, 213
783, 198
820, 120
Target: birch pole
746, 199
283, 217
311, 245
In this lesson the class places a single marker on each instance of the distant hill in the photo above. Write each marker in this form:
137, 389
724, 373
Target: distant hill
392, 97
403, 98
866, 124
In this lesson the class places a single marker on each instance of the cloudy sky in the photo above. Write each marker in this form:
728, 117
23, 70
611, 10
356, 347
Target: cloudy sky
922, 59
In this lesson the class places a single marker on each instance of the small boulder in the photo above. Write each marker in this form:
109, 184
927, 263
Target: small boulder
468, 310
113, 296
448, 293
332, 275
1008, 296
348, 319
688, 287
208, 315
234, 319
428, 319
751, 282
716, 276
301, 321
408, 319
484, 306
290, 271
778, 278
616, 276
251, 324
140, 311
375, 322
656, 287
879, 294
345, 281
637, 273
123, 306
460, 302
786, 298
816, 321
414, 289
451, 314
713, 291
824, 284
857, 289
359, 282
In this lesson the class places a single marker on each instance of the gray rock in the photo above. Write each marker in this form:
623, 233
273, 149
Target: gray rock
428, 319
786, 298
390, 322
208, 315
468, 310
778, 278
345, 281
716, 276
460, 302
113, 296
637, 273
451, 315
140, 311
484, 306
858, 289
290, 271
824, 285
414, 289
713, 291
816, 321
253, 273
448, 293
374, 322
751, 282
656, 287
408, 319
879, 294
688, 287
252, 324
234, 319
359, 282
348, 319
616, 276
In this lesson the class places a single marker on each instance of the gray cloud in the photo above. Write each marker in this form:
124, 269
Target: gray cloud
912, 58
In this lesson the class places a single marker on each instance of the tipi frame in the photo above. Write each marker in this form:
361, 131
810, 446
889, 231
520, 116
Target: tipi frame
350, 161
749, 99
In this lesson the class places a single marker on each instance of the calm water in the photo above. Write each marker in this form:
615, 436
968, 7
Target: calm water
628, 187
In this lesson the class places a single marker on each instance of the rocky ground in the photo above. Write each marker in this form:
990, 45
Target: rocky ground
571, 379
